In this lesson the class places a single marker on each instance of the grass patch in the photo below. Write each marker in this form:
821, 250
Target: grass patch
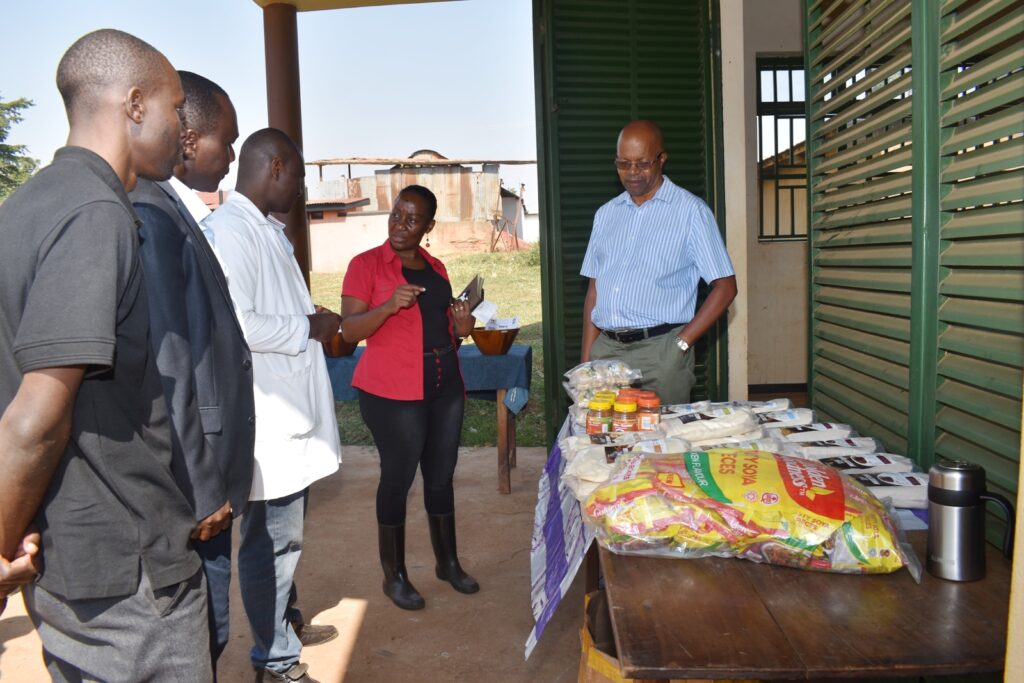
512, 282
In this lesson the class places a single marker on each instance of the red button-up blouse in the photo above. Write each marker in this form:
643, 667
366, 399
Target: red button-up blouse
392, 364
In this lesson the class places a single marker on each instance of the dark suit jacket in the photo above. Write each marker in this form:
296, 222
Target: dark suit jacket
201, 353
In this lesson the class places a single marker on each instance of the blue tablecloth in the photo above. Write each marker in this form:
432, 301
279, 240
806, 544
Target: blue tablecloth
482, 374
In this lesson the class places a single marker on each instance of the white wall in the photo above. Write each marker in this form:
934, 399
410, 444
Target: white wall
777, 272
531, 227
333, 242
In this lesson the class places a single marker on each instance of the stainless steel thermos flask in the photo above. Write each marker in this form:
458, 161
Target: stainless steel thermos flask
956, 520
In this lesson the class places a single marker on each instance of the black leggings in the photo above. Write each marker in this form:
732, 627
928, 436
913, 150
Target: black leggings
411, 433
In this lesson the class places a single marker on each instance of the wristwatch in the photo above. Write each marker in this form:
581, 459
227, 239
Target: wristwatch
683, 345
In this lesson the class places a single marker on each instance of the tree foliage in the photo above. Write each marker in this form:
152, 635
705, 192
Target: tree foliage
15, 165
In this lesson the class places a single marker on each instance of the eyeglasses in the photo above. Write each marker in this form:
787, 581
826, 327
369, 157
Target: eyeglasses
643, 165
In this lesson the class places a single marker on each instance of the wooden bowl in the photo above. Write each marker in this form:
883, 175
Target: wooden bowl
338, 347
494, 342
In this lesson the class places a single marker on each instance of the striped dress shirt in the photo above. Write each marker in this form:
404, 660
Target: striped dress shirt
648, 259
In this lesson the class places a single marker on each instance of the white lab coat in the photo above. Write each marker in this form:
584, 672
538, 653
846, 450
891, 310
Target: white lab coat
296, 430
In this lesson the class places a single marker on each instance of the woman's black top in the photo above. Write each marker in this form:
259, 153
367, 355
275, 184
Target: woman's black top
434, 303
440, 359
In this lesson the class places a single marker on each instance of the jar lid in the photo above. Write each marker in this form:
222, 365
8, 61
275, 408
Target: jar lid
645, 402
624, 407
600, 405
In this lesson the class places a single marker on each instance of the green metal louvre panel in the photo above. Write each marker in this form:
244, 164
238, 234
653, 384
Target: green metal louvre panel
858, 76
981, 287
601, 63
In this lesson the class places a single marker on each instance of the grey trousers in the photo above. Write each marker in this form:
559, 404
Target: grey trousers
667, 370
159, 636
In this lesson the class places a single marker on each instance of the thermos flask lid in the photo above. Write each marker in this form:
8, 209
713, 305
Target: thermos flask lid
957, 475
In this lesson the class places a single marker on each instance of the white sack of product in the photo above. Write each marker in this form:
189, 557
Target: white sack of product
815, 450
904, 489
755, 407
871, 463
587, 471
756, 434
713, 424
758, 407
571, 444
794, 417
578, 414
758, 444
818, 431
685, 408
662, 445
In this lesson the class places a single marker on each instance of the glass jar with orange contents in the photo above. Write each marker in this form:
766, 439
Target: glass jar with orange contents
648, 413
624, 417
599, 417
629, 394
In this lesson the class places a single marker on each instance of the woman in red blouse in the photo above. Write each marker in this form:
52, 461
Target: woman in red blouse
397, 297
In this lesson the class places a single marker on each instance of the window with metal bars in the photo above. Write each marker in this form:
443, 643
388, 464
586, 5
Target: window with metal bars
781, 149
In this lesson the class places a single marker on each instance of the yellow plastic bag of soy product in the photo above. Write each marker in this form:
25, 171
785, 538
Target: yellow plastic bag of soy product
754, 505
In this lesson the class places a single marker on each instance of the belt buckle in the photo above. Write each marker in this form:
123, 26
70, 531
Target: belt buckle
630, 336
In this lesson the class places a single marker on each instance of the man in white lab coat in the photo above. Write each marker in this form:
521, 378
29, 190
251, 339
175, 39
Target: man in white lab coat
296, 430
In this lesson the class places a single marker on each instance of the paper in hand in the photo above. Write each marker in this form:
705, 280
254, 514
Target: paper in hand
485, 311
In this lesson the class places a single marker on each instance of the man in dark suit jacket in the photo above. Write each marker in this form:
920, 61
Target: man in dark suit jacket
201, 354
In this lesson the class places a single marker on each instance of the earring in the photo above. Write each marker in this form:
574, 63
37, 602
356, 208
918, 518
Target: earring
428, 241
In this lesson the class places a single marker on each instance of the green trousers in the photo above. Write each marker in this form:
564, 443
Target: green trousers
666, 370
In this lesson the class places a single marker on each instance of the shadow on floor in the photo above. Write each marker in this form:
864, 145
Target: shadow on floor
456, 638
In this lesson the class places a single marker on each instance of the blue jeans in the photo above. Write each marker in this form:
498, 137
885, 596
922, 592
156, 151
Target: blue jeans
216, 556
271, 542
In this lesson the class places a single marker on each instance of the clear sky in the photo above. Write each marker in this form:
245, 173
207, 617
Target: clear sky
456, 77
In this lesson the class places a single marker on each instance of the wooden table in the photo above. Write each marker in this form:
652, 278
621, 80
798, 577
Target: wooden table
728, 618
485, 376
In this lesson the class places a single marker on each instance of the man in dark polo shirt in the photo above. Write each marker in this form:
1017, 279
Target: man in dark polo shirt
85, 443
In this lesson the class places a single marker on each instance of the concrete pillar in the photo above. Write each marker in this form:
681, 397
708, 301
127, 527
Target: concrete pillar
734, 134
1015, 627
284, 107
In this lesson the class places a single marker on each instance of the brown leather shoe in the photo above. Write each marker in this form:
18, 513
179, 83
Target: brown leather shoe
296, 674
312, 634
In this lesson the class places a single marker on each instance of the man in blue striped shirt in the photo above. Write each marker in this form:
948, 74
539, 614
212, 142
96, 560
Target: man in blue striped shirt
649, 248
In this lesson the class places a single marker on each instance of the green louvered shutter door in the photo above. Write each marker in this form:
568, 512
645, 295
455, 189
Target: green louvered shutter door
858, 80
981, 276
599, 64
917, 249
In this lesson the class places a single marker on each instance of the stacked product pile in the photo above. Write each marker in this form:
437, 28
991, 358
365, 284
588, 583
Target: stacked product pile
758, 480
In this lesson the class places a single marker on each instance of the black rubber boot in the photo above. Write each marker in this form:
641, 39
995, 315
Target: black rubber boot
442, 537
391, 540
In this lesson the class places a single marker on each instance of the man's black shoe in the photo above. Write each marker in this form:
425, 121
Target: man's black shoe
311, 634
296, 674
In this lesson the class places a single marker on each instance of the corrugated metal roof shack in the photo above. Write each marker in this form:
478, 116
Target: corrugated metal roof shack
472, 212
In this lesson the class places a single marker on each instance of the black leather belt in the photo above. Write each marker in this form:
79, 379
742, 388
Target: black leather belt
440, 351
630, 336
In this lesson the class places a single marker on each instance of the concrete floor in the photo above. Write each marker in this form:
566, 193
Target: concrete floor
456, 638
